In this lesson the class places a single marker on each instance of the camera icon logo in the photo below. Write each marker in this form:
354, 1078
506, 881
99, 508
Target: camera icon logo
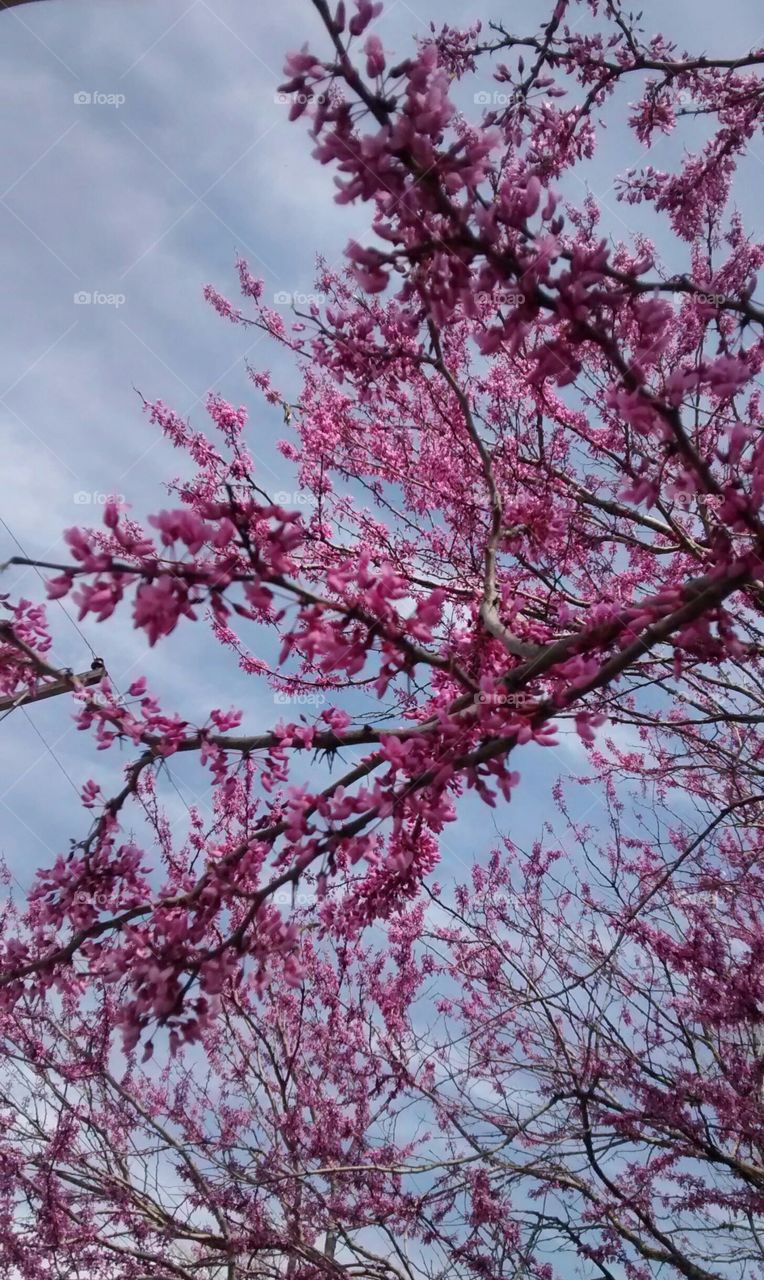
83, 99
82, 298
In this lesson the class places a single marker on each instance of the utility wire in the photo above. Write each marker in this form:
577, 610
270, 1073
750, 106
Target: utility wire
60, 603
93, 654
52, 753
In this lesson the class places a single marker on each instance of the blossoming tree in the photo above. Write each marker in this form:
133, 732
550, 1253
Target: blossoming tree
537, 467
525, 1079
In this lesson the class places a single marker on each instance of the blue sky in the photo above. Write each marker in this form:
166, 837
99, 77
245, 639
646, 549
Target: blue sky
182, 158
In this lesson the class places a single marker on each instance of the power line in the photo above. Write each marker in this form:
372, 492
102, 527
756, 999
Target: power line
52, 753
60, 603
91, 677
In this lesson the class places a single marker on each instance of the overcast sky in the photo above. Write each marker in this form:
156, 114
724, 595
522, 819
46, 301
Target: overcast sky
144, 147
